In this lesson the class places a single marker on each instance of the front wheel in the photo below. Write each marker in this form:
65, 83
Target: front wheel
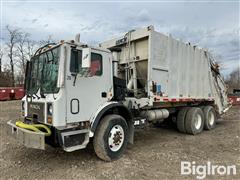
111, 137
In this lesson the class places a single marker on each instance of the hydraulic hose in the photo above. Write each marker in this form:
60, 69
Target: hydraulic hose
34, 127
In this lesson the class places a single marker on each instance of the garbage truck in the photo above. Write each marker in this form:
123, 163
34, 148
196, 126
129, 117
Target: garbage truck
76, 93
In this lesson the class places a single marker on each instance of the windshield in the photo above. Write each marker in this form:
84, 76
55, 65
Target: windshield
43, 72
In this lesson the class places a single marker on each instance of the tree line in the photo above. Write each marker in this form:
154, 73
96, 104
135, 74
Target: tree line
18, 47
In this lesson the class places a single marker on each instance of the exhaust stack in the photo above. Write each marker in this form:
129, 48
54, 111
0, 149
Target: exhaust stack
77, 38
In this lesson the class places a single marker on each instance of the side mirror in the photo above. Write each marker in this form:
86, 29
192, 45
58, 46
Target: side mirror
86, 57
27, 75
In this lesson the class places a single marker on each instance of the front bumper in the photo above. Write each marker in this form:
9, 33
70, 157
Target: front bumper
26, 137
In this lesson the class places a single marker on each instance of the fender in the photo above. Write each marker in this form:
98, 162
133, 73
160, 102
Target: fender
108, 106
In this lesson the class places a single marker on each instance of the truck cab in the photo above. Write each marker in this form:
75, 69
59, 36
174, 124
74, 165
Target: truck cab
67, 86
64, 83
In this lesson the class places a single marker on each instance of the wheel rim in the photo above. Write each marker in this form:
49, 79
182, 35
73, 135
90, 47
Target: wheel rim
197, 121
116, 138
211, 118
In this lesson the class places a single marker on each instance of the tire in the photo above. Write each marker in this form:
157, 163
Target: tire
209, 117
181, 116
105, 146
194, 121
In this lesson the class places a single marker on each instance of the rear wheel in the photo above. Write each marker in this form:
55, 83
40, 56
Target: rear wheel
194, 121
111, 137
181, 119
209, 117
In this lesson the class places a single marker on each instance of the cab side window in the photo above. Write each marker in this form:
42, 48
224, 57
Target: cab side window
96, 67
96, 64
76, 60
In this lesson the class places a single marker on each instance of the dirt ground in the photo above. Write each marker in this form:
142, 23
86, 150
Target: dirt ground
156, 154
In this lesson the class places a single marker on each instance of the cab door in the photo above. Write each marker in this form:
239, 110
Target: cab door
86, 93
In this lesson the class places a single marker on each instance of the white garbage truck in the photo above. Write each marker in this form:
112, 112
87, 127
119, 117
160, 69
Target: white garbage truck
76, 92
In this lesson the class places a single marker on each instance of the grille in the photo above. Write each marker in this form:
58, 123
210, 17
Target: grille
36, 111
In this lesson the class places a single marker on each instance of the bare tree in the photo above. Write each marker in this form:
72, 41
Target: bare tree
31, 48
5, 80
11, 44
26, 48
47, 41
234, 79
21, 50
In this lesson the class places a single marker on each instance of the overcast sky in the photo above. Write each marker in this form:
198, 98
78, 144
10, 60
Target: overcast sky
212, 25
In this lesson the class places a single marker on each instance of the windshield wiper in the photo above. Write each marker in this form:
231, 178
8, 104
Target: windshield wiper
42, 76
36, 95
35, 92
31, 95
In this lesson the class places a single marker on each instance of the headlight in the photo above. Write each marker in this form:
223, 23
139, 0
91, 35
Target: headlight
50, 109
